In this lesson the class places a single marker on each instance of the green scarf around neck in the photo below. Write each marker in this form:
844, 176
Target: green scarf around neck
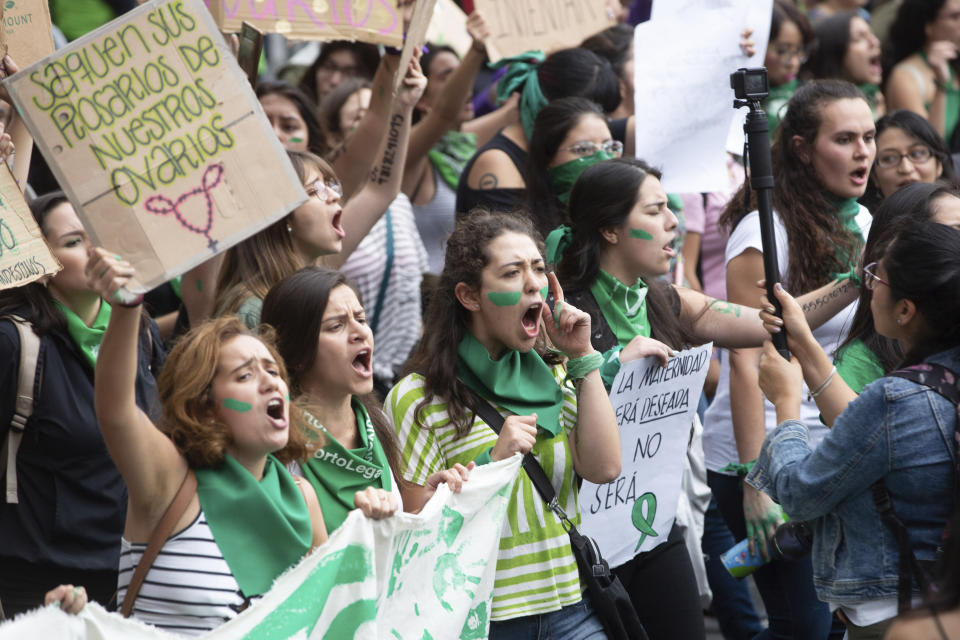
952, 112
624, 308
521, 76
450, 155
847, 211
337, 473
521, 382
87, 338
262, 528
564, 176
776, 101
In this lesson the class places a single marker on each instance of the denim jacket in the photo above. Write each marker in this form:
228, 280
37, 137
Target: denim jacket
896, 430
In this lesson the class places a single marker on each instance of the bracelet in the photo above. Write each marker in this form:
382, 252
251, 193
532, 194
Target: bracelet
578, 368
129, 303
823, 385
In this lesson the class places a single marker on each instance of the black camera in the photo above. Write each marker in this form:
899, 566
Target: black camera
792, 540
750, 84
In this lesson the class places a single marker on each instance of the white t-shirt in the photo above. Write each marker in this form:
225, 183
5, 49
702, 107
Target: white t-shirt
719, 445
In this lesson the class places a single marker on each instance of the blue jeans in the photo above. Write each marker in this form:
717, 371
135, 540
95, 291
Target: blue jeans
786, 587
573, 622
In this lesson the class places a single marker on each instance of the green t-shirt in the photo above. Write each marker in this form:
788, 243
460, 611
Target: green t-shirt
536, 569
858, 366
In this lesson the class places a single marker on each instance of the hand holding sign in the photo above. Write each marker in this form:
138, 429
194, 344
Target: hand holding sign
107, 273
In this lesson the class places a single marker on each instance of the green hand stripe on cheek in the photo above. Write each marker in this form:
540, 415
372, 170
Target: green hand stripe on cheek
296, 140
640, 233
505, 298
237, 405
544, 292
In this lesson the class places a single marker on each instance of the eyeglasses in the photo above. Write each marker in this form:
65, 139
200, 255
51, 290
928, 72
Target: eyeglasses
870, 282
331, 68
786, 53
324, 192
588, 148
917, 155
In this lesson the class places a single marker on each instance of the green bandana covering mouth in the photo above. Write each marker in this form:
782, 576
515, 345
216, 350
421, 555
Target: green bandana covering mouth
521, 382
624, 308
337, 473
563, 176
521, 76
87, 338
262, 528
451, 154
505, 298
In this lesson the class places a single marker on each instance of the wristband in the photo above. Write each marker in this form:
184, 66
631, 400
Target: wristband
852, 275
578, 368
391, 51
826, 383
739, 468
129, 303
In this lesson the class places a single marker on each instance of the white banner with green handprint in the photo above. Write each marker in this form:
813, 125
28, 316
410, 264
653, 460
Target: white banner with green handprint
655, 406
410, 577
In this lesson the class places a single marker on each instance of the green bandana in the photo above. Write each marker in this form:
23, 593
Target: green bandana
557, 243
952, 112
847, 211
87, 338
337, 473
522, 76
563, 176
451, 154
624, 308
777, 100
521, 382
262, 528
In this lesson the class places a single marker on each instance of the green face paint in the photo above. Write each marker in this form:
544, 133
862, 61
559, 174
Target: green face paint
505, 299
640, 233
199, 285
295, 140
545, 292
237, 405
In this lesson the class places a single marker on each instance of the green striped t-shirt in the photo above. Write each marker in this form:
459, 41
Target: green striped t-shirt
536, 569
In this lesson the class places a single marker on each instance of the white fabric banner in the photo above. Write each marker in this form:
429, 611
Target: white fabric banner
655, 407
409, 577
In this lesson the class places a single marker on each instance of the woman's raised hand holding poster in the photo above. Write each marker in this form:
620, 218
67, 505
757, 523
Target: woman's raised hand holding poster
154, 133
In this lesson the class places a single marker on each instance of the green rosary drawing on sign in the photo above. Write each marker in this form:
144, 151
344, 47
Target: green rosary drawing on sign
644, 511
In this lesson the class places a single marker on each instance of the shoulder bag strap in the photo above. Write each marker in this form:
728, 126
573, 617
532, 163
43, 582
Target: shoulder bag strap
188, 489
387, 270
23, 409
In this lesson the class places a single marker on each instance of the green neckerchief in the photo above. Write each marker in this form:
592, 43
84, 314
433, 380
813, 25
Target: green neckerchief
952, 111
521, 76
776, 100
858, 365
847, 211
870, 90
87, 338
563, 176
557, 243
337, 473
624, 308
262, 528
451, 154
521, 382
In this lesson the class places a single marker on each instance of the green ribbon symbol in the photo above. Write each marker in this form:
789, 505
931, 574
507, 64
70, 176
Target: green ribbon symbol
644, 511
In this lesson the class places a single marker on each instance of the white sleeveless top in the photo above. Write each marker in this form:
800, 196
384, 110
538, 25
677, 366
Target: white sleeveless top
189, 590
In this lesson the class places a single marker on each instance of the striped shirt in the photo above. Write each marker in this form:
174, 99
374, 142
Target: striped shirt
399, 320
536, 569
189, 590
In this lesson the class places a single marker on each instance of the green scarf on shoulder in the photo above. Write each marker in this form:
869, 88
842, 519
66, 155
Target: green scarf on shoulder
87, 338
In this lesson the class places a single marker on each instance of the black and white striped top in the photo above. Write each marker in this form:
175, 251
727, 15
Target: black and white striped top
189, 590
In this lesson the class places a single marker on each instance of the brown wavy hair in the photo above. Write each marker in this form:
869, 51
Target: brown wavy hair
185, 389
815, 236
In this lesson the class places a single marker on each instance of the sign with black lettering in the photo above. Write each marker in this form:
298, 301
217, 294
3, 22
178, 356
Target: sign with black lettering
153, 131
655, 407
521, 25
24, 256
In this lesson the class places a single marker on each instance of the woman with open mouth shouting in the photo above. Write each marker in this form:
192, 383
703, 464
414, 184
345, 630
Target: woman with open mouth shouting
484, 344
352, 452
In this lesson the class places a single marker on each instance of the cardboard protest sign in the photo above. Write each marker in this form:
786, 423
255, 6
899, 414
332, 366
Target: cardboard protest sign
521, 25
655, 406
154, 133
416, 35
428, 575
376, 21
448, 27
26, 30
24, 256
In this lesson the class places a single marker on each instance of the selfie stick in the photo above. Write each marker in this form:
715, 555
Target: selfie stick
757, 132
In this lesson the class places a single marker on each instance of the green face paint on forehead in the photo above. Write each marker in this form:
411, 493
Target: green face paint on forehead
640, 233
505, 298
237, 405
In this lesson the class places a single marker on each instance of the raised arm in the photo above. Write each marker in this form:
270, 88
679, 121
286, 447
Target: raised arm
20, 138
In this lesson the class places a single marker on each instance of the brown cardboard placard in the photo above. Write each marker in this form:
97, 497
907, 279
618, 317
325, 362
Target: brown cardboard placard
156, 137
27, 30
376, 21
521, 25
24, 256
448, 27
415, 37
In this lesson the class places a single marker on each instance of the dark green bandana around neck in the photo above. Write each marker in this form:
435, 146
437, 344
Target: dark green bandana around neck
451, 154
87, 338
847, 211
337, 473
521, 76
624, 308
563, 176
521, 382
262, 528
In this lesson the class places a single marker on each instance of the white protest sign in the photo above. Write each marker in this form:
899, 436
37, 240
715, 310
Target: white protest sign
655, 406
758, 19
407, 577
682, 97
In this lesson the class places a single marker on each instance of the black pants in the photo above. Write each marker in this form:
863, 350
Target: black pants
663, 589
23, 584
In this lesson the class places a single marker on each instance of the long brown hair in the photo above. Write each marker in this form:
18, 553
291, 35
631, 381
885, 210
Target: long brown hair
815, 235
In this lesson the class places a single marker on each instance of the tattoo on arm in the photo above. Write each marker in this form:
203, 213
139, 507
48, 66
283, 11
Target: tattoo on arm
826, 298
389, 154
726, 308
488, 181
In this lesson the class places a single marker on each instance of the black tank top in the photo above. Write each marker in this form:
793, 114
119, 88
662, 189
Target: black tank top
492, 199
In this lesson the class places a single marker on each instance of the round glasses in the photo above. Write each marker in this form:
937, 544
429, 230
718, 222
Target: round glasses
588, 148
889, 158
324, 191
787, 53
872, 279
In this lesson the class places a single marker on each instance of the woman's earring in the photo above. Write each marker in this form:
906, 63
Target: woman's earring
289, 228
899, 322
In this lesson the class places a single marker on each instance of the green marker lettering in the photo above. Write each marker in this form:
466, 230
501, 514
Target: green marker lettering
640, 233
505, 299
237, 405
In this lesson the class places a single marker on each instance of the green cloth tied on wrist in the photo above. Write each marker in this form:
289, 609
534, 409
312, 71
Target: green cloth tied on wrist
521, 76
739, 468
578, 368
853, 275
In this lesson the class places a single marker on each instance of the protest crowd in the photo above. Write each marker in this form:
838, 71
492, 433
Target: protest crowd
449, 247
